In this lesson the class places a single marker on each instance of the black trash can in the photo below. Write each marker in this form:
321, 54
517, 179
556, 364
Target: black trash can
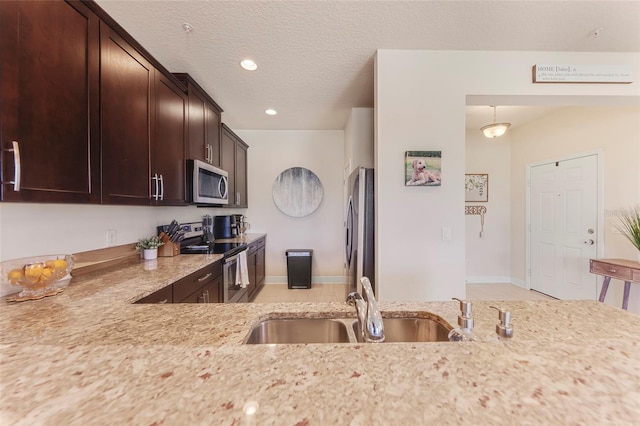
299, 268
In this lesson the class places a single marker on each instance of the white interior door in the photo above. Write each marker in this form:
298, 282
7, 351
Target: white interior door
563, 233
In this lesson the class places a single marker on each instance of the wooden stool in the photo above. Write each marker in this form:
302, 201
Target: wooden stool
622, 269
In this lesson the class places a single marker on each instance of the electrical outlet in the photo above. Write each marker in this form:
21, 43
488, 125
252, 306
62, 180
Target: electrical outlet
112, 237
446, 233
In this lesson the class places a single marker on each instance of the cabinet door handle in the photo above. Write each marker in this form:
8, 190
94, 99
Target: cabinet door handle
237, 198
16, 165
163, 301
155, 182
161, 188
205, 277
205, 296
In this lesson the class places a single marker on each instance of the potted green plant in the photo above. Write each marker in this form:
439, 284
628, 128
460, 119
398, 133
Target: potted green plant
629, 225
149, 247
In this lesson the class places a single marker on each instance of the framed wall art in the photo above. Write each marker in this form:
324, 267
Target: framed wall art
422, 168
476, 188
297, 192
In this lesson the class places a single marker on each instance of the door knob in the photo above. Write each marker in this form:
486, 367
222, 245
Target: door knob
589, 241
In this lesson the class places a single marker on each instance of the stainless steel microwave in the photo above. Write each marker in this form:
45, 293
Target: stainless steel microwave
207, 184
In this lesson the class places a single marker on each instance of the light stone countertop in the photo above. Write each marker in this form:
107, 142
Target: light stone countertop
90, 356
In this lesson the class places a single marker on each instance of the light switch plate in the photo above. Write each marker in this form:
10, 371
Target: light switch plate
112, 237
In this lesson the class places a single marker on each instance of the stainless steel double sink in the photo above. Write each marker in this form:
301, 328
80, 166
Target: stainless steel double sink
344, 330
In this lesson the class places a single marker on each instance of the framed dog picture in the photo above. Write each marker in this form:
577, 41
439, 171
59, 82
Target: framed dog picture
422, 168
476, 188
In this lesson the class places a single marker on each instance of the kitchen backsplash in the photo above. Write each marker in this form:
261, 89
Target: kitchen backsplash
35, 229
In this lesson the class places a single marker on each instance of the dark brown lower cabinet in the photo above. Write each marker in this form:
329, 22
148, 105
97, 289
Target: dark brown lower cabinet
208, 293
251, 268
164, 295
192, 288
202, 286
256, 266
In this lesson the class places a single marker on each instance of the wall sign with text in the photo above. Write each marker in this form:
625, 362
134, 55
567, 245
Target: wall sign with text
554, 73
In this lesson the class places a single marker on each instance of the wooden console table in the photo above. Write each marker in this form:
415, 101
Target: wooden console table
622, 269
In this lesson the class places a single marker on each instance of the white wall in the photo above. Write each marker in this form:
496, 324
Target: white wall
28, 229
613, 130
488, 258
420, 105
358, 138
322, 152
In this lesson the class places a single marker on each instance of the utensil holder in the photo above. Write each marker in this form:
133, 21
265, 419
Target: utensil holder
169, 249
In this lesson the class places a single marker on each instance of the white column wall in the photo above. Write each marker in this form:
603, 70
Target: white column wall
420, 105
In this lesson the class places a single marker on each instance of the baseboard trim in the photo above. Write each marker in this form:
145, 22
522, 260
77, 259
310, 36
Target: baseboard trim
314, 280
520, 283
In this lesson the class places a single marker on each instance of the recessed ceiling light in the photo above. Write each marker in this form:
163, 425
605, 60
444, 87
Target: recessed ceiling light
248, 65
270, 111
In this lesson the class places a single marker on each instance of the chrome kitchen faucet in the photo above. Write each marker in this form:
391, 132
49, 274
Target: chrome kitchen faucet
369, 316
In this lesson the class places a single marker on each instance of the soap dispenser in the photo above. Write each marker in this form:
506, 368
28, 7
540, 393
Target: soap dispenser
503, 329
464, 333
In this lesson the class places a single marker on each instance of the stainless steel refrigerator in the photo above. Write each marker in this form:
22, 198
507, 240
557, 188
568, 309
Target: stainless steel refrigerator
359, 230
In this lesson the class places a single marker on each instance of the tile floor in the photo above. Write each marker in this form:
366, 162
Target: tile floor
336, 293
317, 293
503, 292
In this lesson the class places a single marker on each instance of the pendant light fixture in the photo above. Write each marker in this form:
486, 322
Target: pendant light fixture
495, 130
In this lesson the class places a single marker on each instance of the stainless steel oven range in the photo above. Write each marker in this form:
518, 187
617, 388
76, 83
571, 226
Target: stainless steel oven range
195, 243
231, 291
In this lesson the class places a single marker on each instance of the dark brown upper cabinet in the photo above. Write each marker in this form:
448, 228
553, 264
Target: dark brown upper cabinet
169, 141
143, 128
127, 113
233, 159
205, 124
88, 115
50, 102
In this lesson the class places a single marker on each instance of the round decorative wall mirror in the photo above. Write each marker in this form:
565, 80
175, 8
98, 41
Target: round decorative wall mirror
297, 192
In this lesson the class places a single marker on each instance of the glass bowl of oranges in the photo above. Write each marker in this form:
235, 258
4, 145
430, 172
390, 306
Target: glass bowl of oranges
37, 276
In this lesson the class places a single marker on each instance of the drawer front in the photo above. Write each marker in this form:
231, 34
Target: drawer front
262, 242
635, 276
208, 293
164, 295
614, 271
251, 248
189, 284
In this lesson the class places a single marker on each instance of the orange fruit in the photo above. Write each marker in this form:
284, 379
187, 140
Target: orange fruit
15, 275
60, 265
33, 272
46, 275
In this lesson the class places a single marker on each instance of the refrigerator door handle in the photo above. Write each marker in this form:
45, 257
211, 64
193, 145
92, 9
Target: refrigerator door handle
349, 231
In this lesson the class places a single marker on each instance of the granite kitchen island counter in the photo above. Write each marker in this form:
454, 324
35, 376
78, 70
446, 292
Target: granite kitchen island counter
90, 356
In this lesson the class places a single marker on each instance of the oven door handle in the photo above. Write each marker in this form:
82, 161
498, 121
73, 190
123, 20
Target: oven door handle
233, 258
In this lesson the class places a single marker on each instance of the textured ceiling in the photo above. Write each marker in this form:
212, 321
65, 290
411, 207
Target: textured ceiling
315, 58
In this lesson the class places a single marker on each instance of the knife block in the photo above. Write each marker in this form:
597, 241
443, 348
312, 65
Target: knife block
169, 249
